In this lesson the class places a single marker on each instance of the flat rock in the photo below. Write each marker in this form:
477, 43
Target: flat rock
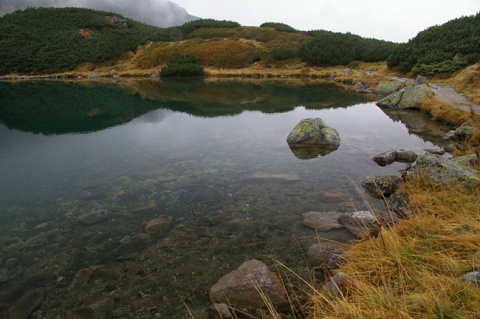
100, 309
147, 207
322, 221
240, 288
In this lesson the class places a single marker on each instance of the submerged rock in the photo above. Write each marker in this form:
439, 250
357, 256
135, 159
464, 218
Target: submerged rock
271, 177
24, 307
241, 287
398, 203
322, 221
156, 226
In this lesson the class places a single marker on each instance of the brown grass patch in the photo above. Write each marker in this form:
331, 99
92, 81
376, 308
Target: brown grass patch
414, 270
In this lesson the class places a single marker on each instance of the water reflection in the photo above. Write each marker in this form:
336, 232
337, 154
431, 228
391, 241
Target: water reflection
59, 107
306, 152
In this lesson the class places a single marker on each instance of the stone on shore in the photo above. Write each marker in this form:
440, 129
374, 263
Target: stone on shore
326, 256
385, 88
448, 170
240, 288
381, 186
407, 98
362, 224
400, 155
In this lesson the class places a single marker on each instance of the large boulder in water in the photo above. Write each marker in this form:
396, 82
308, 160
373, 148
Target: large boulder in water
313, 137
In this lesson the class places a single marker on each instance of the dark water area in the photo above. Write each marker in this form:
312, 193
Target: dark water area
144, 194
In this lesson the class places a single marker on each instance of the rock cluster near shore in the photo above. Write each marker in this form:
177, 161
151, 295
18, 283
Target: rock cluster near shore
410, 96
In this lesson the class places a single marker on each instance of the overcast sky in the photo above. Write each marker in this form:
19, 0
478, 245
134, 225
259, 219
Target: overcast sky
397, 20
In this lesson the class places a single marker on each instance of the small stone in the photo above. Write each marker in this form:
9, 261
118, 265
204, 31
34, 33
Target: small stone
337, 285
322, 221
473, 277
156, 226
326, 255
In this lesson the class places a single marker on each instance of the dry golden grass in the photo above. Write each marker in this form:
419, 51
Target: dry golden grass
468, 82
414, 270
444, 111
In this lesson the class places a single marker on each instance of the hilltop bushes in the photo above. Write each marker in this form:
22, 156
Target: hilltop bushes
47, 40
329, 48
432, 50
191, 26
278, 26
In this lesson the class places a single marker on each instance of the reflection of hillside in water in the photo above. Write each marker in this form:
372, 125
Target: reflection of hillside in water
420, 124
64, 107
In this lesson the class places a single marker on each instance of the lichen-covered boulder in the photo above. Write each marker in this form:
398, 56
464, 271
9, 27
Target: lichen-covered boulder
385, 88
448, 170
408, 98
381, 186
313, 132
313, 137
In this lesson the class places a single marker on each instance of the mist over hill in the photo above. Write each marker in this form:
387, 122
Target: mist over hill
162, 13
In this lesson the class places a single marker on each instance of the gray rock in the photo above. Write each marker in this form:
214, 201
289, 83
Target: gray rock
362, 224
473, 277
400, 155
322, 221
240, 288
385, 88
444, 170
381, 186
338, 284
398, 203
326, 256
409, 97
420, 80
313, 132
93, 77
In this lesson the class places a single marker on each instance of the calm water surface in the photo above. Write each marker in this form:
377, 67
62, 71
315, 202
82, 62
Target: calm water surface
85, 167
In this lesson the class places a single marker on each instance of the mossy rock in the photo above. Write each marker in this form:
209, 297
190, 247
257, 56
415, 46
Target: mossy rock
313, 132
385, 88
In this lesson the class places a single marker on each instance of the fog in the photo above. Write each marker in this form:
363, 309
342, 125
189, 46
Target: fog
163, 13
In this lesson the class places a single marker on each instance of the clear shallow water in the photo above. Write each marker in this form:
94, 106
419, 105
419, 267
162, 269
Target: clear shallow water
187, 153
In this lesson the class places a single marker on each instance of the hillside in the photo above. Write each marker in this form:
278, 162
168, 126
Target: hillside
48, 40
440, 49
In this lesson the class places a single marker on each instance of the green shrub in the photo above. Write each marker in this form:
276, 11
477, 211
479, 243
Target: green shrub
191, 26
283, 53
182, 65
278, 26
